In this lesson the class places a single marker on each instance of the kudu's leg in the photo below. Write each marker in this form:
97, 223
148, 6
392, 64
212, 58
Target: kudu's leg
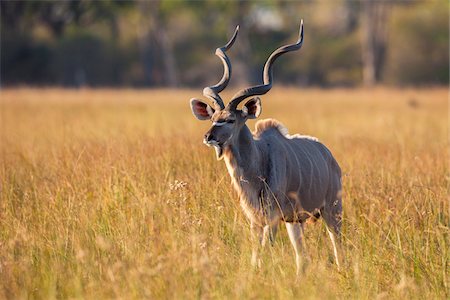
257, 239
332, 214
270, 232
295, 232
333, 237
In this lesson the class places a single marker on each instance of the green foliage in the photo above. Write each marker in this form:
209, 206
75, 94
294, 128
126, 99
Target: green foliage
83, 57
419, 45
24, 60
137, 43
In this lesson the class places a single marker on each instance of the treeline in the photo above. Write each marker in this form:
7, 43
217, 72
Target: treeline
172, 43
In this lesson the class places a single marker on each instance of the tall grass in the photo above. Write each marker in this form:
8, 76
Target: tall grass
110, 193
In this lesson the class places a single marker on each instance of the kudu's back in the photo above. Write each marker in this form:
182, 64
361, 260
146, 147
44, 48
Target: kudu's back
302, 169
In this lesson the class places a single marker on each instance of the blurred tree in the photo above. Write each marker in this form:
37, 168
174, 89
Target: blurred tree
27, 59
374, 39
156, 47
242, 68
418, 50
171, 43
331, 51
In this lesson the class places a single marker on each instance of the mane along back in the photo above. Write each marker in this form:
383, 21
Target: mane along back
265, 125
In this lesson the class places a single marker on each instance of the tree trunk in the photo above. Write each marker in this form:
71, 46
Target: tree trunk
145, 50
374, 40
168, 56
368, 48
241, 69
156, 49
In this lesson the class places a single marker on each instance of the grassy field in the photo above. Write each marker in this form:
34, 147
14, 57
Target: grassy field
111, 194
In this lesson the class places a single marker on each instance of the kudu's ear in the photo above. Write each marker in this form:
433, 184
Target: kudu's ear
252, 109
201, 110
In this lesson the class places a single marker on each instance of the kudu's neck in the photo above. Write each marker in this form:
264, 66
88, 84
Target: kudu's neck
242, 158
242, 149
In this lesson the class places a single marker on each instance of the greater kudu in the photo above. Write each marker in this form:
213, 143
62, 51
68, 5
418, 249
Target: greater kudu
279, 177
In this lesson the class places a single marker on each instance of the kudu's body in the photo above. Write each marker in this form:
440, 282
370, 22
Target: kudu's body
278, 177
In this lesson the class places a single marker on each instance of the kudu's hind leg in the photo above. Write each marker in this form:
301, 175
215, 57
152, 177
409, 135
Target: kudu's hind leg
295, 232
332, 214
335, 240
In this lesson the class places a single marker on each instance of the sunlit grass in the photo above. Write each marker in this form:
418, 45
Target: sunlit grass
110, 193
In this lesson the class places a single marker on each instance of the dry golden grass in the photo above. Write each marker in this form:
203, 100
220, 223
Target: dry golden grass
111, 193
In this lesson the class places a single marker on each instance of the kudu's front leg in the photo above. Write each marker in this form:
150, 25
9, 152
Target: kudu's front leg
257, 232
260, 236
270, 232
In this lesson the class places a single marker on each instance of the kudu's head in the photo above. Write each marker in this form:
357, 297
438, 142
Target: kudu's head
228, 121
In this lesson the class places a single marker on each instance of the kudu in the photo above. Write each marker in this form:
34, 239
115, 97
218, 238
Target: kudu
278, 177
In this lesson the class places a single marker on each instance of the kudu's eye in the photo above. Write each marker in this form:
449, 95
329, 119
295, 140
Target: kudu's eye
230, 121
